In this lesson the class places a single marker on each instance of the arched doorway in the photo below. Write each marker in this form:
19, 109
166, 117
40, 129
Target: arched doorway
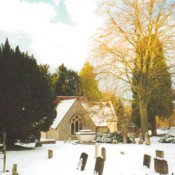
76, 124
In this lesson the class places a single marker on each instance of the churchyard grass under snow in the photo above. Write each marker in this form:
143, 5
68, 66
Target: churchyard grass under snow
121, 159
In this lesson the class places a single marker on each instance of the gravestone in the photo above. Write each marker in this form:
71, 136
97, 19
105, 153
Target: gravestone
4, 159
4, 152
147, 160
160, 166
103, 153
38, 144
14, 169
50, 154
82, 161
147, 140
124, 134
159, 154
69, 139
96, 150
140, 138
99, 166
133, 139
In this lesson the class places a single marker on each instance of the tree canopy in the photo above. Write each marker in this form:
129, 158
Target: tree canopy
67, 82
126, 44
89, 84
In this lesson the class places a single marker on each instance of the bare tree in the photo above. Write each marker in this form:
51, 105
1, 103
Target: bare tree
126, 43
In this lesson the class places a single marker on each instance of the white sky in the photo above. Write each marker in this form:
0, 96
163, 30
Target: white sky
54, 31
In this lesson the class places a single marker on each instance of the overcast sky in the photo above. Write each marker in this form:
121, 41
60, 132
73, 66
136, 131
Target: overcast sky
54, 31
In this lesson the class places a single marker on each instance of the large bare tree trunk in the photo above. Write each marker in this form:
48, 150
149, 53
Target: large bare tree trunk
153, 126
144, 117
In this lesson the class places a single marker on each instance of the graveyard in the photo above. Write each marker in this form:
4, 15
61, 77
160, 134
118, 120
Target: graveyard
80, 159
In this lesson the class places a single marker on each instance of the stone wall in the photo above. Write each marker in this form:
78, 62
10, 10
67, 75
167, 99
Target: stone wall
102, 129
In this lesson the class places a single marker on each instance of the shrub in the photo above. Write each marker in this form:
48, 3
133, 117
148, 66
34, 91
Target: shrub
169, 137
111, 138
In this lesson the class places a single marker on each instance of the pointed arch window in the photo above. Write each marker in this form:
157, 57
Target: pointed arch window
76, 124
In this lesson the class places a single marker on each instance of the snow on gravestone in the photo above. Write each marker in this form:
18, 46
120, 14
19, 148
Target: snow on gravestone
82, 161
99, 165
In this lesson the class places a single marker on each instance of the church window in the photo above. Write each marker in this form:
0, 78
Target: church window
76, 124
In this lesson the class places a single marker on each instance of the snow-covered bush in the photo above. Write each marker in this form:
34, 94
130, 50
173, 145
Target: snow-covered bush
169, 137
111, 138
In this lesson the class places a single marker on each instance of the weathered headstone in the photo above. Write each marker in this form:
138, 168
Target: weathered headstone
159, 154
4, 141
147, 140
160, 166
69, 139
103, 153
147, 160
96, 150
4, 159
99, 166
4, 151
50, 154
82, 161
115, 141
133, 139
124, 134
14, 169
38, 144
140, 138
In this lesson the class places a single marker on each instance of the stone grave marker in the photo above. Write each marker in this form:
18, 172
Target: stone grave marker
4, 152
103, 153
160, 154
38, 144
124, 134
133, 140
99, 166
160, 166
96, 150
82, 161
50, 154
140, 138
14, 169
147, 140
147, 160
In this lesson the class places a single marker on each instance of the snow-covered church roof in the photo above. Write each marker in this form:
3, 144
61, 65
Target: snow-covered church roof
100, 112
62, 109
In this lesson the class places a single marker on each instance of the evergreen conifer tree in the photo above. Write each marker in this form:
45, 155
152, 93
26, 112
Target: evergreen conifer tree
27, 102
89, 84
67, 83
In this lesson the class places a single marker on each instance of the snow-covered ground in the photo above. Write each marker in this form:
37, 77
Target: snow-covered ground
121, 159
